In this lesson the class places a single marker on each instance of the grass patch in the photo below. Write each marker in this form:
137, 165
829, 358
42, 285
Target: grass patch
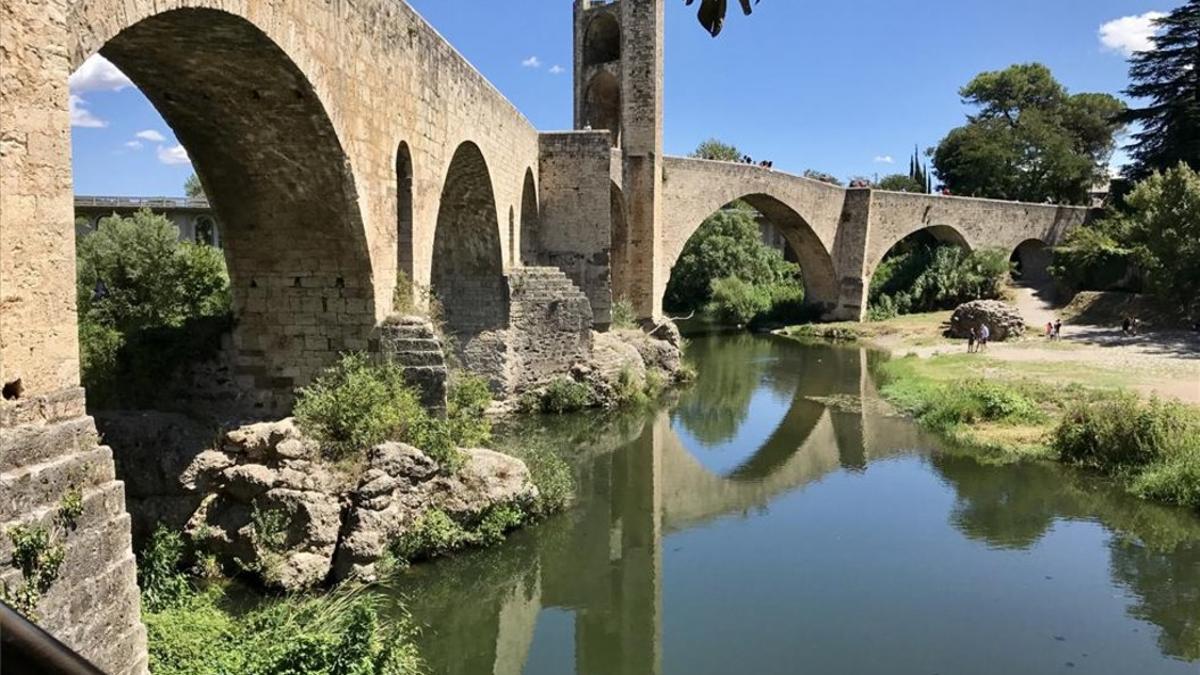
1153, 447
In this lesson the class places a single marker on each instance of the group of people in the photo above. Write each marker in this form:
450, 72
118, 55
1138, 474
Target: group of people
978, 338
747, 159
1054, 330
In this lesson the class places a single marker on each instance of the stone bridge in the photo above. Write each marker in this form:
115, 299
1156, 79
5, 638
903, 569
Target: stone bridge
346, 146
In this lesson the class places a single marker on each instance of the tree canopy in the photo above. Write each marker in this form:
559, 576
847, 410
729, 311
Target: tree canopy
1168, 79
717, 150
192, 187
1030, 140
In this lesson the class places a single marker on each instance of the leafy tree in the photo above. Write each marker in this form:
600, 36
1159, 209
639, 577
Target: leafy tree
717, 150
192, 187
712, 13
1030, 140
135, 273
728, 244
821, 176
899, 182
1163, 224
1168, 78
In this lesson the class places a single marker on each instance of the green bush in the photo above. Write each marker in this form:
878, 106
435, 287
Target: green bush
551, 473
160, 571
1121, 433
943, 407
623, 315
467, 401
357, 404
926, 277
436, 533
563, 395
737, 302
38, 555
337, 634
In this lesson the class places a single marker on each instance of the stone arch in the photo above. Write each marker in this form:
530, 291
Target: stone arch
945, 234
1031, 261
602, 40
404, 211
530, 221
277, 175
622, 284
816, 263
602, 104
468, 261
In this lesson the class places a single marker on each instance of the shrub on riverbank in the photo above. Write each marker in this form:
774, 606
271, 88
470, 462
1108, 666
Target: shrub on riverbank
201, 630
1156, 445
359, 403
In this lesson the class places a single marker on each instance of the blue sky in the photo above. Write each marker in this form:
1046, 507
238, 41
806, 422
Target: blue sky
837, 86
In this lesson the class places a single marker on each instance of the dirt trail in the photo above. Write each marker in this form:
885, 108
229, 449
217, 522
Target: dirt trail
1162, 363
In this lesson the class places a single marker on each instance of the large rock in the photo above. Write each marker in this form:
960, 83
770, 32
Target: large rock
1002, 319
402, 483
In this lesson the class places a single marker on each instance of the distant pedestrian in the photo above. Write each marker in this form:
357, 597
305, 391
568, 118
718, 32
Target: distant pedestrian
1049, 330
1127, 327
971, 341
985, 334
1058, 329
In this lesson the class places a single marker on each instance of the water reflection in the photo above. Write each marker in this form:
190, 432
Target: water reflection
585, 591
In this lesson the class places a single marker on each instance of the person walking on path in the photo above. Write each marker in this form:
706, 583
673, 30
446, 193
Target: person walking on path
1058, 329
985, 334
971, 341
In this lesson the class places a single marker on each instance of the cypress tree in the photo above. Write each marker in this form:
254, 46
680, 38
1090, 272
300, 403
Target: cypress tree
1168, 77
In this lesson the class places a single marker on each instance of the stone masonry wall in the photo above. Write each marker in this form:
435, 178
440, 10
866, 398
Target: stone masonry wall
576, 220
550, 329
49, 448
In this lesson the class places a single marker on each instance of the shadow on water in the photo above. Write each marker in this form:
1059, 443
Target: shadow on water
587, 591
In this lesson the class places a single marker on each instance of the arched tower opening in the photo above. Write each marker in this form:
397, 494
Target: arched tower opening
601, 109
602, 40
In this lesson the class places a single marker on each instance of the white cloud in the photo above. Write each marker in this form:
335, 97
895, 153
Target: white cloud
885, 159
557, 70
97, 74
82, 117
173, 155
151, 135
1130, 34
532, 62
133, 145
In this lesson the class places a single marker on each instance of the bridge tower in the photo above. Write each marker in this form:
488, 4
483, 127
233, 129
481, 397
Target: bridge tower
619, 87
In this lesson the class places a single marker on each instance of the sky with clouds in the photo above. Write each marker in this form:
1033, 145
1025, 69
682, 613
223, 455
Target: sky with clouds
845, 88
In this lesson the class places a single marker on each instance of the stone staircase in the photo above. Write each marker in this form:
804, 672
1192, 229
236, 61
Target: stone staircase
411, 343
550, 324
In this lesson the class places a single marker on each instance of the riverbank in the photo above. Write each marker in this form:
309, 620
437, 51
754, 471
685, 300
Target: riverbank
1126, 407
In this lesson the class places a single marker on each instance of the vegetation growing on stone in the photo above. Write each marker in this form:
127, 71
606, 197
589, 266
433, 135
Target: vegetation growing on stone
359, 403
70, 508
38, 555
436, 533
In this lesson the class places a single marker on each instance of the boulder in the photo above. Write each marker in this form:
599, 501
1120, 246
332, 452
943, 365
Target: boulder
1002, 319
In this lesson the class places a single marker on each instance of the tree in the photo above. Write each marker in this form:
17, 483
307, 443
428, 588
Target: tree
712, 13
1163, 223
898, 182
1168, 77
192, 187
1030, 139
718, 151
821, 176
728, 244
919, 173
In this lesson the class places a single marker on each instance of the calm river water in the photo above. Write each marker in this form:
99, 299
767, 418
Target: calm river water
770, 521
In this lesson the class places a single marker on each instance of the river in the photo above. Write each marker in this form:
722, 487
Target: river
776, 518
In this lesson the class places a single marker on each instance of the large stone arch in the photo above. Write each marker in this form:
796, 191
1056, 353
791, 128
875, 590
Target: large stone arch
405, 255
816, 262
468, 261
946, 234
622, 283
276, 172
1031, 261
530, 220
